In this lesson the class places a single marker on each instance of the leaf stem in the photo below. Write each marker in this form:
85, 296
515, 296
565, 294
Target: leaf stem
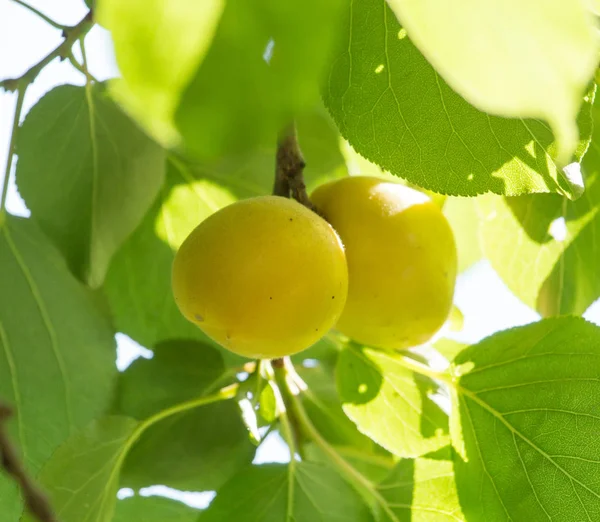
11, 152
41, 15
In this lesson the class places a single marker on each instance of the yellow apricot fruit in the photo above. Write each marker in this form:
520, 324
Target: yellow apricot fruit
401, 260
264, 277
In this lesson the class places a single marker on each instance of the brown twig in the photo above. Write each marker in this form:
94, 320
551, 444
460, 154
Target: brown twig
71, 35
35, 500
289, 171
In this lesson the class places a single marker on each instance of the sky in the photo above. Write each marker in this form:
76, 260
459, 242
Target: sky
486, 303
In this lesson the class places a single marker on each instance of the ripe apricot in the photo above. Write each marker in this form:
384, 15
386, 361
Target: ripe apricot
401, 260
264, 277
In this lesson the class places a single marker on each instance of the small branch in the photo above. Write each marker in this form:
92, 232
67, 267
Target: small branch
71, 35
41, 15
35, 500
289, 177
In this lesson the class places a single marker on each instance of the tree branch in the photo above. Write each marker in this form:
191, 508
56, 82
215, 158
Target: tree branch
37, 12
71, 35
35, 500
289, 171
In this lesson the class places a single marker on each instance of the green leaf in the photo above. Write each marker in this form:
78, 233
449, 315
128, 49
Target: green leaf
57, 358
154, 509
241, 100
196, 450
550, 264
304, 492
397, 112
82, 476
389, 403
158, 46
179, 370
527, 73
528, 416
88, 175
422, 490
544, 247
463, 216
138, 285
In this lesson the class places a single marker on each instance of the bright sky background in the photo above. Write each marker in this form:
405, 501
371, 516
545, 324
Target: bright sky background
486, 303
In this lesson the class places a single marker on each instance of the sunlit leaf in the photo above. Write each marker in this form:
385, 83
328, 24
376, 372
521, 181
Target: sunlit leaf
396, 111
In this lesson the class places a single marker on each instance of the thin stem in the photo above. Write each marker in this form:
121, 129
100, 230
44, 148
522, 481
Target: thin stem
41, 15
36, 501
71, 34
81, 68
356, 477
11, 151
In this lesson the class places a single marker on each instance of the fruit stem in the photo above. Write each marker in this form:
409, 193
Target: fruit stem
289, 169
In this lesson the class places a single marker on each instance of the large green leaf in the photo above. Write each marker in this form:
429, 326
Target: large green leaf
527, 417
544, 247
237, 100
158, 46
533, 59
196, 450
82, 477
139, 281
422, 490
389, 403
153, 509
56, 349
88, 175
397, 112
304, 492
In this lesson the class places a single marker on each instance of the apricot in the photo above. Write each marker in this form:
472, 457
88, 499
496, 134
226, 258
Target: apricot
264, 277
401, 260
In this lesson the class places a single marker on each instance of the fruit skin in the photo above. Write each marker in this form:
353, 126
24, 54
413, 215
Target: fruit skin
264, 277
401, 260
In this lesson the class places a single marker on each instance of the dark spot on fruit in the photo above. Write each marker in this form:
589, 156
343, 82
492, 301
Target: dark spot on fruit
291, 219
270, 298
333, 297
199, 318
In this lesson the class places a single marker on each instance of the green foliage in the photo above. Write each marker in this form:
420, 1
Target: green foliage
302, 492
49, 324
158, 46
82, 476
396, 111
247, 102
505, 430
78, 152
519, 81
194, 450
528, 412
390, 403
422, 490
153, 509
545, 247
